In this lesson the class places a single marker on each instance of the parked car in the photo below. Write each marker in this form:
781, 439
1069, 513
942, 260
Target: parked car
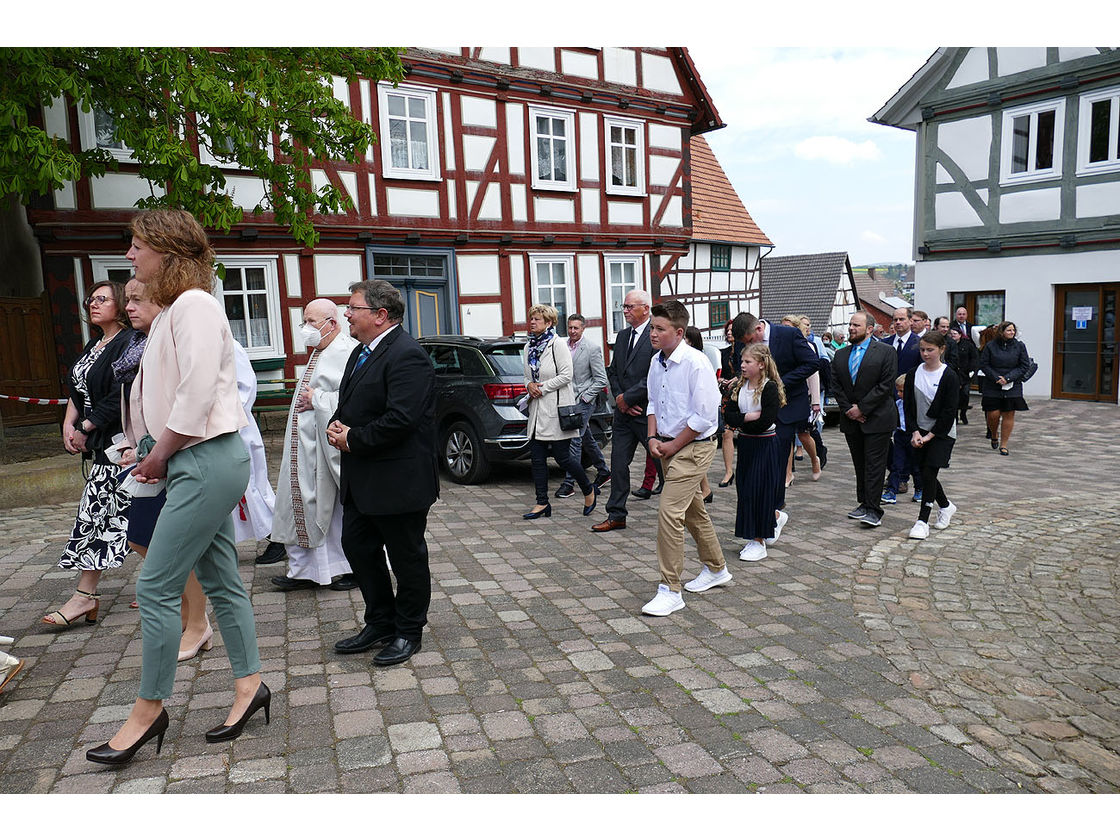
478, 384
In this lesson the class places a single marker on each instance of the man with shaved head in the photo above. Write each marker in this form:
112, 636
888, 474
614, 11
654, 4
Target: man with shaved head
308, 516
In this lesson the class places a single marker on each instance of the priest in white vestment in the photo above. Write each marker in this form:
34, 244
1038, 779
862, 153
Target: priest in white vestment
252, 518
308, 516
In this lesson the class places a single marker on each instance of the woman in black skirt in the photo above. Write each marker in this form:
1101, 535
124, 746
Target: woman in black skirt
930, 399
1005, 363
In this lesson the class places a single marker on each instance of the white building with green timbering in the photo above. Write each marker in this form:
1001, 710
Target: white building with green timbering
1017, 200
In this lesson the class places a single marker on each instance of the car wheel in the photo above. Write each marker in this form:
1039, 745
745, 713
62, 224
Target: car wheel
462, 454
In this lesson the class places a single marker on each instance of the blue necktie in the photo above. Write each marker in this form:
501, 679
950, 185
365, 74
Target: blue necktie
855, 359
362, 358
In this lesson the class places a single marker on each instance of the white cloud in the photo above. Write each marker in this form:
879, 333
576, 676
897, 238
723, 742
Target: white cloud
873, 237
836, 150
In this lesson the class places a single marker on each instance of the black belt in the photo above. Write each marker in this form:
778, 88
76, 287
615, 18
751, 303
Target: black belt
666, 439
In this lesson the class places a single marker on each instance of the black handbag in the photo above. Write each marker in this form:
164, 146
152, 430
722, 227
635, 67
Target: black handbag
571, 419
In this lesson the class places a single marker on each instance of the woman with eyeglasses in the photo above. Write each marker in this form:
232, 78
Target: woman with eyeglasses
93, 415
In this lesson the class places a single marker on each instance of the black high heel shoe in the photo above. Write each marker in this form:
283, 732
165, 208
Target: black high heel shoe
262, 699
708, 499
730, 480
537, 514
587, 509
107, 755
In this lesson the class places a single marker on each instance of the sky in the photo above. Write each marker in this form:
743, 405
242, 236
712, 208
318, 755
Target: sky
810, 169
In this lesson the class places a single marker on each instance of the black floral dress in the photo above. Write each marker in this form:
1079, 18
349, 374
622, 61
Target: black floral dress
99, 539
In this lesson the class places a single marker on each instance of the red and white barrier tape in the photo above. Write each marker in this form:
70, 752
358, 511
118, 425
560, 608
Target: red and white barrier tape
33, 400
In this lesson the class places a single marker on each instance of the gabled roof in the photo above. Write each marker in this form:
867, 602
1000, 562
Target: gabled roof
901, 110
718, 215
871, 291
804, 284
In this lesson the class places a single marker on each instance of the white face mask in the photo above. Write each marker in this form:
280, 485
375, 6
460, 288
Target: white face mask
311, 336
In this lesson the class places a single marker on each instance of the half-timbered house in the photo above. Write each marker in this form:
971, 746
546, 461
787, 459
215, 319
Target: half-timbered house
502, 177
1017, 201
718, 277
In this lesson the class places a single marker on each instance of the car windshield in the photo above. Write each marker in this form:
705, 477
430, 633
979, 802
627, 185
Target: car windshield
507, 359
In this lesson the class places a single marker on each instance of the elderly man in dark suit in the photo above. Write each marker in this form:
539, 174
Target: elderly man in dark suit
863, 374
797, 360
385, 429
627, 375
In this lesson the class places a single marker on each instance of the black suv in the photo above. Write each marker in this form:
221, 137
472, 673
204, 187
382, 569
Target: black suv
478, 384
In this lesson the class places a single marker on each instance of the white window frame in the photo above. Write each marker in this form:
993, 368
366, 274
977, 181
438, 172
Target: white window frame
1032, 174
388, 170
639, 128
275, 347
570, 151
207, 158
617, 291
568, 262
1112, 164
87, 133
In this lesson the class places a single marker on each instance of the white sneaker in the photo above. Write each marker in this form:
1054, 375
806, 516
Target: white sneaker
943, 517
783, 518
753, 552
707, 579
920, 530
666, 601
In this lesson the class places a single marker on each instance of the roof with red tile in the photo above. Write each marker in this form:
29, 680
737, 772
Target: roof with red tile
718, 214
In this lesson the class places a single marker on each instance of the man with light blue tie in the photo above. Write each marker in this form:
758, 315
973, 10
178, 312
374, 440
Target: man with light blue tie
863, 374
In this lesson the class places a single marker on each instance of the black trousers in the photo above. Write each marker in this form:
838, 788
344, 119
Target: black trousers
365, 541
627, 431
561, 451
869, 457
786, 433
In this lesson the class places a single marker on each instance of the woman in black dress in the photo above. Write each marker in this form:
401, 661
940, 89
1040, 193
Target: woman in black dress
93, 416
1005, 363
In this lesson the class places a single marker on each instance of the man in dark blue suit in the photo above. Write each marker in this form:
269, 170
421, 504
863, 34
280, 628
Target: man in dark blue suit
797, 360
904, 341
385, 429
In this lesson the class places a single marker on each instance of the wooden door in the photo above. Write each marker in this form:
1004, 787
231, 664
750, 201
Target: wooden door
28, 367
1085, 349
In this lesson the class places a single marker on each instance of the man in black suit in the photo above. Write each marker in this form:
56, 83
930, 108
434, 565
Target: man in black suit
969, 355
385, 429
797, 360
627, 375
904, 341
863, 374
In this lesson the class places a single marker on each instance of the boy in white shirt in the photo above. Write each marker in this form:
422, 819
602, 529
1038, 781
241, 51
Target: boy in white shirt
682, 418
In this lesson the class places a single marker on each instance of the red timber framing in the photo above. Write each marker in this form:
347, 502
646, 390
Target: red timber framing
482, 212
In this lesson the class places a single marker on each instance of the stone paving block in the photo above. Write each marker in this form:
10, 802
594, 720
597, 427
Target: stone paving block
259, 769
775, 746
368, 751
506, 725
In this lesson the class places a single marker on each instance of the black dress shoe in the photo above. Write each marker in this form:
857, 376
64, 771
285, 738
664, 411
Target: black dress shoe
107, 755
400, 650
369, 638
343, 583
273, 553
642, 493
656, 490
261, 700
287, 584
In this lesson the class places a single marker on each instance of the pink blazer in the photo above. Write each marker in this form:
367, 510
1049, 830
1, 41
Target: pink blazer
188, 378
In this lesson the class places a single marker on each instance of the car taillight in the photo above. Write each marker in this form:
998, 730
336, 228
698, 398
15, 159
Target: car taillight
503, 391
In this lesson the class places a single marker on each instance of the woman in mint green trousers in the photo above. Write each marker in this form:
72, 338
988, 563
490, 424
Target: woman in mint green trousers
183, 414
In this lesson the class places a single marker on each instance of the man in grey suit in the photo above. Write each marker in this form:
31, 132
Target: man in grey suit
627, 375
863, 374
589, 377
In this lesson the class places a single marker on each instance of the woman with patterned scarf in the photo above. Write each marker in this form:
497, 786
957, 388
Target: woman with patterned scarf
548, 379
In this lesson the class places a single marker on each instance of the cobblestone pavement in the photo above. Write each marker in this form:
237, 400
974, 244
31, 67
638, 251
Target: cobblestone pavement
851, 659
